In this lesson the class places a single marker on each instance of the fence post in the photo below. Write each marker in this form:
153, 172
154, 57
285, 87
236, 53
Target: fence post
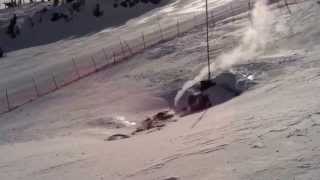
122, 48
130, 50
105, 54
143, 39
212, 16
114, 58
287, 5
232, 12
161, 32
214, 20
8, 101
249, 12
94, 64
55, 81
194, 20
35, 87
232, 21
76, 68
178, 28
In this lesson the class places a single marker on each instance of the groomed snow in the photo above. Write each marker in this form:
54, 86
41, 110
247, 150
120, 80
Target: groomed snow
269, 132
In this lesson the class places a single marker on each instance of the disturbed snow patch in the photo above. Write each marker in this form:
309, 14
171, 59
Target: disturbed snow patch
150, 124
217, 90
111, 122
225, 85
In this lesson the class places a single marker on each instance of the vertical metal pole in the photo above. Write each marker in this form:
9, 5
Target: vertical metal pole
208, 45
8, 102
76, 68
35, 87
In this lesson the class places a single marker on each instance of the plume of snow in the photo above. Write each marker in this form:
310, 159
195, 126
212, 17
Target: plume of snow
255, 38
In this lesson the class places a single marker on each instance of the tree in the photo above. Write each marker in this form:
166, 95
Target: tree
12, 29
132, 3
1, 53
55, 2
97, 12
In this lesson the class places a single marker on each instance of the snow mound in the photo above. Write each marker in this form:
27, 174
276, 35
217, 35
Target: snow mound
219, 89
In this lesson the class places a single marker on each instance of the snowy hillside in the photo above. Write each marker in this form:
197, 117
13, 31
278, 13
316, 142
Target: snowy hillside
36, 20
19, 66
270, 131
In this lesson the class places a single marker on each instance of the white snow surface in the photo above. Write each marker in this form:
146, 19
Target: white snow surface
271, 131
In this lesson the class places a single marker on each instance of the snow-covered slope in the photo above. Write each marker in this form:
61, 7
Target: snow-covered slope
79, 24
83, 23
269, 132
18, 67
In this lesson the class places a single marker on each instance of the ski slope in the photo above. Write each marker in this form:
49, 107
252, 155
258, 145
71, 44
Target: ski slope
270, 131
35, 55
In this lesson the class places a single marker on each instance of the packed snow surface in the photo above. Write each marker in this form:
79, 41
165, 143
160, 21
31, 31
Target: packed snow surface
270, 131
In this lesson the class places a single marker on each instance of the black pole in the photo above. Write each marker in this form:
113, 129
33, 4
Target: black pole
208, 45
